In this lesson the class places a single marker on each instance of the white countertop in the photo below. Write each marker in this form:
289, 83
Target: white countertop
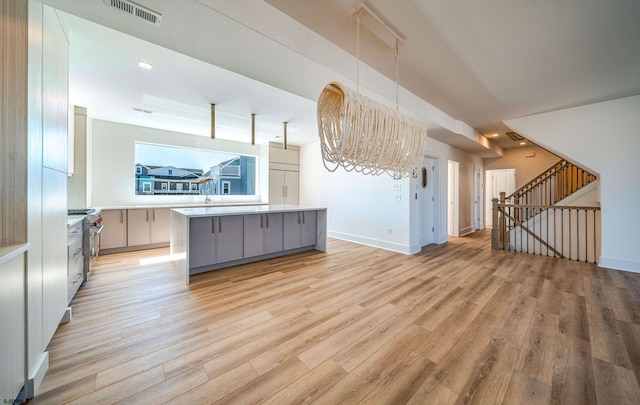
193, 205
74, 219
10, 251
251, 209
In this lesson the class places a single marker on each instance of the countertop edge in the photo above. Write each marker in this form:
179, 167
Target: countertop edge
74, 219
261, 209
177, 206
10, 251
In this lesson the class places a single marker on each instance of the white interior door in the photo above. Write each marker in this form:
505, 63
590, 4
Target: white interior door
495, 182
453, 193
426, 198
477, 200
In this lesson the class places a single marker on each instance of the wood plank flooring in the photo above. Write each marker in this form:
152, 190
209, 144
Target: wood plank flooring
457, 323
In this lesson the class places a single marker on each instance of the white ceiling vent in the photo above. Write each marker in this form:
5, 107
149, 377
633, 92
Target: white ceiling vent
136, 10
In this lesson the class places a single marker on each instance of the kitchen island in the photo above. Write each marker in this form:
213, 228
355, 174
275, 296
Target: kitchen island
210, 238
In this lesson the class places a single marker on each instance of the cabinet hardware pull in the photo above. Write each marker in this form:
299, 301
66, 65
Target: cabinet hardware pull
298, 217
220, 225
213, 224
121, 217
147, 215
303, 217
261, 221
286, 191
267, 215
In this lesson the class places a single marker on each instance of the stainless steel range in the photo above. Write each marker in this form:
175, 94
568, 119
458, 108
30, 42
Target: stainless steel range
92, 226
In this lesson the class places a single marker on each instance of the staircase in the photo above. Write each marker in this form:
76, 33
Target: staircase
545, 216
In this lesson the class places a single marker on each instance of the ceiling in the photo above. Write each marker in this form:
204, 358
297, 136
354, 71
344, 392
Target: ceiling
479, 62
483, 62
176, 92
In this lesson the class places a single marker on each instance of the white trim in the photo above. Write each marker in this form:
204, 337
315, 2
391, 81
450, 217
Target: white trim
226, 184
466, 231
619, 264
394, 247
37, 375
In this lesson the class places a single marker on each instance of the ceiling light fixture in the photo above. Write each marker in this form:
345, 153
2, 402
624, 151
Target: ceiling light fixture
494, 135
145, 65
523, 143
363, 135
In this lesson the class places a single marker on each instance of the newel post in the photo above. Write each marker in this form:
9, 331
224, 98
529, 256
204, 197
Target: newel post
502, 219
495, 231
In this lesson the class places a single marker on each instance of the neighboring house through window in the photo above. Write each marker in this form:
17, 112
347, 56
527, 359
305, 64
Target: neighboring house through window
226, 187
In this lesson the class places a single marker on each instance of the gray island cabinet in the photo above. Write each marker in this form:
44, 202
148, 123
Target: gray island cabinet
204, 239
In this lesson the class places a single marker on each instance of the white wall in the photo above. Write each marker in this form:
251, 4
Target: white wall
363, 208
605, 139
528, 161
359, 208
112, 181
467, 163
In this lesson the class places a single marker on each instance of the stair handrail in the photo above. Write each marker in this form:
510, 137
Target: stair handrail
544, 175
563, 166
550, 186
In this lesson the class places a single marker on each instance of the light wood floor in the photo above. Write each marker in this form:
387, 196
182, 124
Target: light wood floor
457, 323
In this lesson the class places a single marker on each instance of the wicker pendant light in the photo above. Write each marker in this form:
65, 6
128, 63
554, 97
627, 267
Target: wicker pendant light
362, 135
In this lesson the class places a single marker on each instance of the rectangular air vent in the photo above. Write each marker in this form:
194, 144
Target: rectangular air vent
135, 10
514, 136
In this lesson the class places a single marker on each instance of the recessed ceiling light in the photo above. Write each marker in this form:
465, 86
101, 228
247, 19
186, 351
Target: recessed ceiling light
523, 143
145, 65
494, 135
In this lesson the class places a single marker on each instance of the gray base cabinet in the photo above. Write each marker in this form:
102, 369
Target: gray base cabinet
262, 234
204, 239
300, 229
215, 240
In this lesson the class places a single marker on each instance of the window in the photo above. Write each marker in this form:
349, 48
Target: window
201, 171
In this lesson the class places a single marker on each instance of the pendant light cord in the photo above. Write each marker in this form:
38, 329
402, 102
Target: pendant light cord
397, 72
358, 50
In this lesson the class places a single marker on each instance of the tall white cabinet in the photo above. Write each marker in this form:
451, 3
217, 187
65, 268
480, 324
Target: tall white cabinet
33, 169
284, 167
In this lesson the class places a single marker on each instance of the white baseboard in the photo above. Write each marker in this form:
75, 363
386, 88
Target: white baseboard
37, 375
394, 247
466, 231
619, 264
